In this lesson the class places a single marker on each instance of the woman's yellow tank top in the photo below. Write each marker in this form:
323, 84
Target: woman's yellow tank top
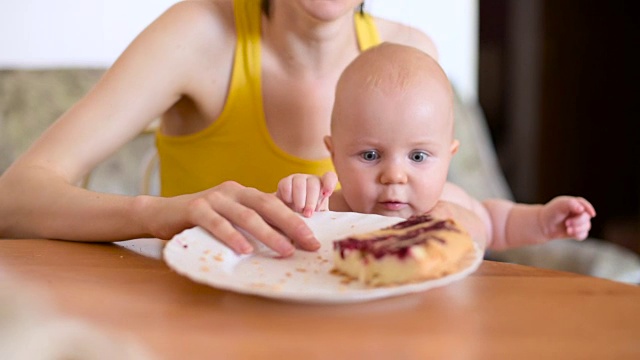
237, 146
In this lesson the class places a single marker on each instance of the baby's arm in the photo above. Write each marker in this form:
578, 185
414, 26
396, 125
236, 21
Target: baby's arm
307, 193
520, 224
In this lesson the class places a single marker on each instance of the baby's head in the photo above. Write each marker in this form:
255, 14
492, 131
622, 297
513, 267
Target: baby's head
392, 131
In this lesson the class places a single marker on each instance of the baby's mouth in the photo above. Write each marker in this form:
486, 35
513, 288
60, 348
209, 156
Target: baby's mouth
393, 205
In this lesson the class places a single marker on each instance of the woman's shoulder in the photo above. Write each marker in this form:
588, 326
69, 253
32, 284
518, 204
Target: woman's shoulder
190, 45
396, 32
200, 19
218, 8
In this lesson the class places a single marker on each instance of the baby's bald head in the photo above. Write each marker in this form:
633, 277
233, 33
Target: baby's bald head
393, 69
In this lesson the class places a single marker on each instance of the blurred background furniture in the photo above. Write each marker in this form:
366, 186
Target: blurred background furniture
558, 84
32, 99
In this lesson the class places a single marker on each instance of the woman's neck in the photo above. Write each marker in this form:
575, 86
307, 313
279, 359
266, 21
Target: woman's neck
308, 46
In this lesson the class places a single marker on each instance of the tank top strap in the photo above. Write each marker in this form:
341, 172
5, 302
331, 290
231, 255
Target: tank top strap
366, 31
248, 18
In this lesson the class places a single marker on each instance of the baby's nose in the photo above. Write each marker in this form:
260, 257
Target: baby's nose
393, 174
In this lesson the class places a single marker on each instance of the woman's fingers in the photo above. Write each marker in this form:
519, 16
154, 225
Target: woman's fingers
203, 214
231, 205
277, 215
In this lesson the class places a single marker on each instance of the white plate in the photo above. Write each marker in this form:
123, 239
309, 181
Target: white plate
303, 277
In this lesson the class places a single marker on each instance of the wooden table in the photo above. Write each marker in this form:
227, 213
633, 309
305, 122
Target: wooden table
502, 311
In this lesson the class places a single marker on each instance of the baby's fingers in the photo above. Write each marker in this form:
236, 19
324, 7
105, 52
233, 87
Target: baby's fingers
579, 233
299, 193
313, 196
579, 226
285, 190
329, 183
586, 206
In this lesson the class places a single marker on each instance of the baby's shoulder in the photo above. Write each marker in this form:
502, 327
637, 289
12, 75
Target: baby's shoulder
454, 193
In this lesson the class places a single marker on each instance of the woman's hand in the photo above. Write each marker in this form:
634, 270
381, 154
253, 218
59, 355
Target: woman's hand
307, 193
226, 208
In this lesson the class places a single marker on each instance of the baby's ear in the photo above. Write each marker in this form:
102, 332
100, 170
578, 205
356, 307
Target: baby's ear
328, 143
455, 145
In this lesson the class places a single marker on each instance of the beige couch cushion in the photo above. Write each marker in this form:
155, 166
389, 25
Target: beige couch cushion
32, 99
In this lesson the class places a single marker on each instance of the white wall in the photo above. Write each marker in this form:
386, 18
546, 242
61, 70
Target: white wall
53, 33
453, 26
49, 33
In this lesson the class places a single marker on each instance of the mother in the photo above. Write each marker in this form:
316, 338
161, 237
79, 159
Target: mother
244, 89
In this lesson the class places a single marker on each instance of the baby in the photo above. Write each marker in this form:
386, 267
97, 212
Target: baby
391, 144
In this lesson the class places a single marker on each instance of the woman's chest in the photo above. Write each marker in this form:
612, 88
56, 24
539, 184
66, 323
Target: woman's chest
298, 115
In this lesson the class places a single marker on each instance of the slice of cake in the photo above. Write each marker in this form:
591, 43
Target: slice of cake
416, 249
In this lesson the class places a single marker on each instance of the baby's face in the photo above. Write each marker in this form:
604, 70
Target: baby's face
392, 150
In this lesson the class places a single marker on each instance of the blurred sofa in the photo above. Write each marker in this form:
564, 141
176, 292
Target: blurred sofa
30, 100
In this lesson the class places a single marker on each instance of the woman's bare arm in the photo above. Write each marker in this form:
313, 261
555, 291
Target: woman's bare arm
165, 63
40, 198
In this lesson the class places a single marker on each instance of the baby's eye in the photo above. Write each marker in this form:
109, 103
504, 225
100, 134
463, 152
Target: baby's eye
418, 156
370, 155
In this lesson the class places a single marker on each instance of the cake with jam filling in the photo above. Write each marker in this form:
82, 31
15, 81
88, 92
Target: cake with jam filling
417, 249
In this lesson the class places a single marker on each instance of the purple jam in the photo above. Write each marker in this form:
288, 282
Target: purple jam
414, 220
393, 244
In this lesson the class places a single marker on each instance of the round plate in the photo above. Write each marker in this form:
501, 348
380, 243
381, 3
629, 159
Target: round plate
303, 277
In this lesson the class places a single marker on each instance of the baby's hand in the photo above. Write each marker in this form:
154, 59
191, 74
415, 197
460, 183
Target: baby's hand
307, 193
567, 216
